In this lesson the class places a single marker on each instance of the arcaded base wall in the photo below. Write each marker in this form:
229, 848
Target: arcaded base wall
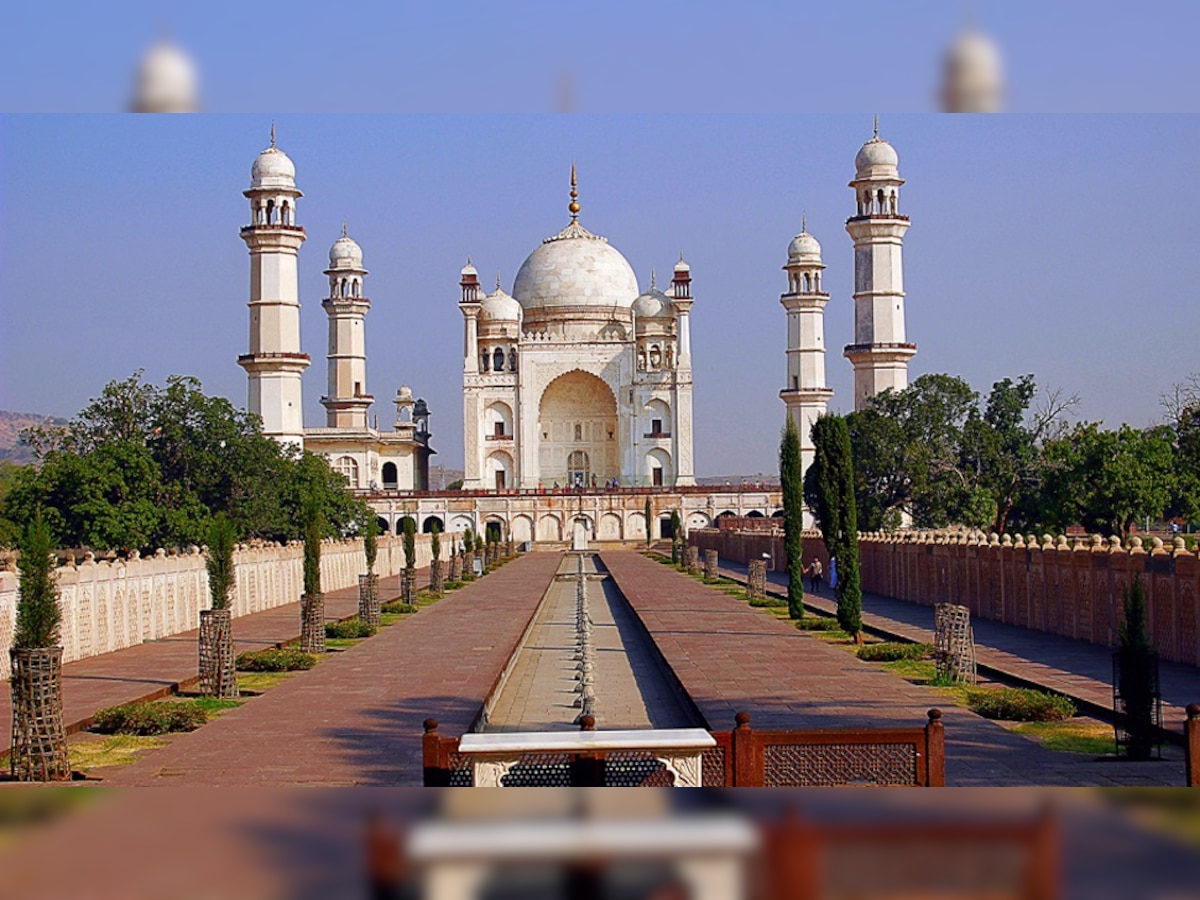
112, 605
1069, 587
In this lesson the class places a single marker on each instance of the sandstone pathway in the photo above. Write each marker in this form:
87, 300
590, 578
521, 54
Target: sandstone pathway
155, 669
356, 718
731, 657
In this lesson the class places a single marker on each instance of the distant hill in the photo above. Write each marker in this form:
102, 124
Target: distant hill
11, 426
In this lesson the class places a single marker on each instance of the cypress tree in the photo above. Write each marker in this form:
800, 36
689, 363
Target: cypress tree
38, 612
649, 530
1137, 667
371, 540
221, 538
837, 514
675, 528
792, 481
314, 530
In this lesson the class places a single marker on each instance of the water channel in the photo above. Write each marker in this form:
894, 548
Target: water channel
542, 691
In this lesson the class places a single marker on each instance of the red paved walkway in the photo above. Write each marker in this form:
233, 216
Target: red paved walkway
157, 668
1077, 669
730, 657
356, 718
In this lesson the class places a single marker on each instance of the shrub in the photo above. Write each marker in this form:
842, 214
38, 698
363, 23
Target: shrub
397, 606
289, 659
818, 623
1020, 705
351, 628
891, 651
768, 601
149, 718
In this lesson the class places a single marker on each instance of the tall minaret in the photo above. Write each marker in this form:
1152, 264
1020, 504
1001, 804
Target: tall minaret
880, 352
470, 303
274, 364
806, 395
681, 299
347, 401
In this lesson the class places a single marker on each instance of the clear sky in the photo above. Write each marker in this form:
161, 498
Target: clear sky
1064, 246
615, 56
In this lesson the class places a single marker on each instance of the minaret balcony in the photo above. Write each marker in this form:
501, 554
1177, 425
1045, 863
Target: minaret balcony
265, 229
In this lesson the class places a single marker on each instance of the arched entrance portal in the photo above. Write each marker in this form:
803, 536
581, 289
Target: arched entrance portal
577, 431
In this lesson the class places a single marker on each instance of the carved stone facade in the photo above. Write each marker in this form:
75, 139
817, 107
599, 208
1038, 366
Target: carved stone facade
577, 379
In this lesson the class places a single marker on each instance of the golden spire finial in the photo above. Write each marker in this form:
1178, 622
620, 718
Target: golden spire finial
272, 134
573, 206
876, 125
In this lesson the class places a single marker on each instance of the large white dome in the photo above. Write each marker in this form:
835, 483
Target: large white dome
166, 81
575, 268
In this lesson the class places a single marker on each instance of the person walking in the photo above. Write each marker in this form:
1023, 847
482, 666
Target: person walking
815, 571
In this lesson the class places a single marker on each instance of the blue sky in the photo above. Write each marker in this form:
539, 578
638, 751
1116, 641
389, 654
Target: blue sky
618, 56
1058, 245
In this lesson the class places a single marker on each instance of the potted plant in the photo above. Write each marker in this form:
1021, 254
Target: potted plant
39, 741
218, 674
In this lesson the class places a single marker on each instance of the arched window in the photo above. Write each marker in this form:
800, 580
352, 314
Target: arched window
498, 360
390, 478
806, 283
347, 467
354, 287
512, 359
270, 212
343, 292
484, 358
285, 217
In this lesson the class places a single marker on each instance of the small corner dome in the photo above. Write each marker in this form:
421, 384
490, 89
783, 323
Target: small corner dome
804, 248
499, 307
653, 304
273, 169
468, 269
876, 155
345, 253
575, 268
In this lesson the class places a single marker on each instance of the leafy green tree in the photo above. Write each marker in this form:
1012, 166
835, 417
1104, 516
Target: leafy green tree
221, 538
38, 612
836, 513
791, 481
145, 466
435, 542
1109, 480
469, 540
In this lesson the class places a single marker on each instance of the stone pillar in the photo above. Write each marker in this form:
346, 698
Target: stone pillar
710, 565
757, 583
693, 560
312, 623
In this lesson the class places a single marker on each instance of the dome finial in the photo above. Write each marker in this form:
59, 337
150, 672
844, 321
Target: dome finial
344, 228
497, 279
573, 206
803, 223
876, 125
272, 133
653, 280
